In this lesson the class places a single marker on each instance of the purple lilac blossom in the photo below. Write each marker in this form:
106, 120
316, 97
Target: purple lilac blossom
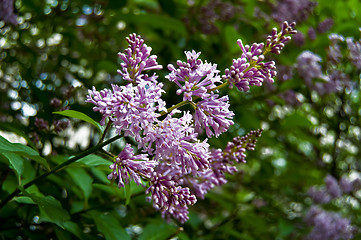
346, 185
235, 150
328, 225
249, 69
309, 68
136, 59
292, 10
130, 108
325, 25
7, 12
213, 112
299, 39
172, 145
354, 48
276, 41
312, 33
41, 123
128, 165
319, 195
290, 98
175, 139
334, 53
222, 162
207, 16
169, 198
198, 77
332, 187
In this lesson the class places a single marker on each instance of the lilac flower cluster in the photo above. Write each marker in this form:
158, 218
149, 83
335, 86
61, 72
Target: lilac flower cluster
223, 162
310, 69
333, 189
7, 12
249, 69
173, 155
292, 10
330, 225
207, 16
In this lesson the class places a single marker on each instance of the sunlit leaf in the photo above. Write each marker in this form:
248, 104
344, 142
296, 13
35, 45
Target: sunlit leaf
81, 116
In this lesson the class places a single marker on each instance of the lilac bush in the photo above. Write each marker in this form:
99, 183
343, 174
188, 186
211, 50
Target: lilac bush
327, 224
176, 165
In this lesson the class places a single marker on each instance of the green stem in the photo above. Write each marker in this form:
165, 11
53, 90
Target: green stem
59, 168
174, 107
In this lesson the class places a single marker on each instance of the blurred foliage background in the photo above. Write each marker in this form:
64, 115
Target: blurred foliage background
60, 48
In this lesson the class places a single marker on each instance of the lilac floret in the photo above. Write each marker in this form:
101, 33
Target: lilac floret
137, 59
198, 77
128, 165
213, 112
169, 198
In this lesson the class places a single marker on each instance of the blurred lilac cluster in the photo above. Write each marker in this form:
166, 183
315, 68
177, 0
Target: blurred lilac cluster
328, 225
207, 16
335, 79
292, 10
325, 224
7, 12
177, 165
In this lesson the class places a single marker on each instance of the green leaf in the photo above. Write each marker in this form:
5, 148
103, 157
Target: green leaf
158, 231
82, 179
6, 146
75, 229
109, 226
93, 160
24, 200
81, 116
50, 209
16, 163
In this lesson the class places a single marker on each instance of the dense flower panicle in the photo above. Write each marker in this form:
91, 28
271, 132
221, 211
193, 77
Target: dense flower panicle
169, 198
250, 69
354, 48
175, 139
198, 77
177, 156
213, 112
328, 225
292, 10
235, 150
128, 165
276, 41
222, 162
137, 59
130, 108
7, 12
